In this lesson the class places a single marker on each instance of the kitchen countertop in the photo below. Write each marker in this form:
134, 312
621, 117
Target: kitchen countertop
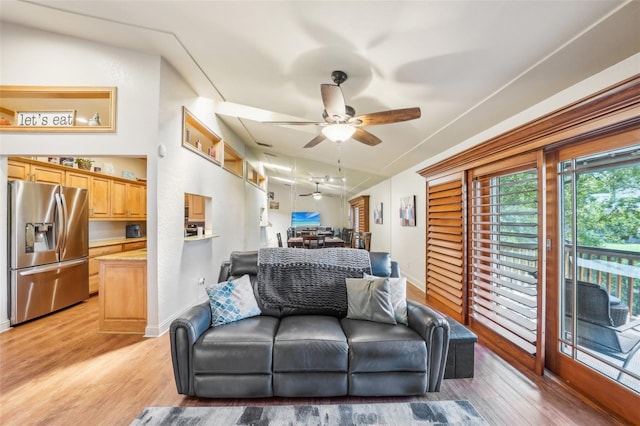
132, 255
110, 242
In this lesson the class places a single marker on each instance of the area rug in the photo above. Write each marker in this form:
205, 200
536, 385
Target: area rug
401, 414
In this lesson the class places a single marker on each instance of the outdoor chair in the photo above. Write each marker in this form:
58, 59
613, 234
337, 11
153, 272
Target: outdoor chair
595, 327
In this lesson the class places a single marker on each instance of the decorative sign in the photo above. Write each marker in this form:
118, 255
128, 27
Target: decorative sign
45, 118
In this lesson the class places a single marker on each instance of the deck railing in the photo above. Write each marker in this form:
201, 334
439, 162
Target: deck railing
616, 270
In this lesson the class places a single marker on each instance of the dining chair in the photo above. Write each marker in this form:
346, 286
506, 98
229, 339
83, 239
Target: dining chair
279, 239
362, 240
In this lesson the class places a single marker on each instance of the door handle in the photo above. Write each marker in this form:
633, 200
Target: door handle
52, 267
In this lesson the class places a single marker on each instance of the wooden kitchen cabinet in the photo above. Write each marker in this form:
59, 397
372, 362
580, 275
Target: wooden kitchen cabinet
128, 200
123, 293
98, 188
94, 267
100, 197
136, 200
196, 208
35, 172
109, 197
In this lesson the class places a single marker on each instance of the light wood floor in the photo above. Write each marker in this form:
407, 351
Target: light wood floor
59, 371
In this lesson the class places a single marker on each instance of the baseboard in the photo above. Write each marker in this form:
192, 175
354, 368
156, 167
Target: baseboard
5, 325
415, 282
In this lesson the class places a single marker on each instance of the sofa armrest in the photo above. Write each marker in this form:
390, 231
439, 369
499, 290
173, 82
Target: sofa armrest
434, 329
184, 332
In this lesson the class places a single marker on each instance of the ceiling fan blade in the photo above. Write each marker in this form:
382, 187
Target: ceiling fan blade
387, 117
365, 137
333, 101
315, 141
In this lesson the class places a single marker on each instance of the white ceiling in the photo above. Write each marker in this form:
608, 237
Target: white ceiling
467, 64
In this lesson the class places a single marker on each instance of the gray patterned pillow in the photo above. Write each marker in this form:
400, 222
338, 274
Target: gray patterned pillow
398, 297
232, 301
369, 299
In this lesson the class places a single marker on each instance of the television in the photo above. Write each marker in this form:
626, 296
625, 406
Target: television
308, 219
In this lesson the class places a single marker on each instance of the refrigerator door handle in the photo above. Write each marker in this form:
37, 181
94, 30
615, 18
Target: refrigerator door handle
52, 267
62, 218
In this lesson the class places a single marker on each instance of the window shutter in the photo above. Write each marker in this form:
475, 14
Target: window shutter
446, 246
504, 255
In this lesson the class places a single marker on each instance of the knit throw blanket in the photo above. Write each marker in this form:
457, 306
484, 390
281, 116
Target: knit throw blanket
309, 281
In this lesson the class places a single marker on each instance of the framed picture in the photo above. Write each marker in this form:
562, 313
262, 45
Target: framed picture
408, 211
377, 214
274, 205
67, 161
271, 195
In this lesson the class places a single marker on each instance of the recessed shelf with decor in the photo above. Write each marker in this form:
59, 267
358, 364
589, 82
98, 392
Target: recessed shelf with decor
255, 178
56, 109
198, 138
232, 161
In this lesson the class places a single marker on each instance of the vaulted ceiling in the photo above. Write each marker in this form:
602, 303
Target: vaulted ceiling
466, 64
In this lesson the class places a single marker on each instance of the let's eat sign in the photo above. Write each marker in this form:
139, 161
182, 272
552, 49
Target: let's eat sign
45, 118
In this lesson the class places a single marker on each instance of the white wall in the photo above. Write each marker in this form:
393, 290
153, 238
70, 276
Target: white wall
407, 245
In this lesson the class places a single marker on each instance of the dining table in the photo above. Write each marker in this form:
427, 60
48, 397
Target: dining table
328, 242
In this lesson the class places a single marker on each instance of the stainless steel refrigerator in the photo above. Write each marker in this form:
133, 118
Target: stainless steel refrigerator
48, 248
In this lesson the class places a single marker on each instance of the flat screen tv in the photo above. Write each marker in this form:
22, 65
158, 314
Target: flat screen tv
308, 219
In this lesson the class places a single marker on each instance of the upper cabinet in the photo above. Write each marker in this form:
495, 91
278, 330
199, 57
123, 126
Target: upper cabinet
198, 138
57, 109
110, 197
35, 172
195, 208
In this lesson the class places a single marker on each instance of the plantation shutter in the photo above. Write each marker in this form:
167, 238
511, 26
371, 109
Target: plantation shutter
504, 255
362, 205
446, 246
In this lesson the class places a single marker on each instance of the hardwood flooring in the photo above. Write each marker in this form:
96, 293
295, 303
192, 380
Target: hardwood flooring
59, 370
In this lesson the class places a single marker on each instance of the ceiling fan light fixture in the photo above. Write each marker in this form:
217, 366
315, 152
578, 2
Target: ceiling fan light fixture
317, 196
338, 132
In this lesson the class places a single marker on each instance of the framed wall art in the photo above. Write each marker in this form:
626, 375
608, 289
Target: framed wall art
408, 211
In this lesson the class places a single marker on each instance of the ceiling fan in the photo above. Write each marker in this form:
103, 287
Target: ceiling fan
317, 195
340, 120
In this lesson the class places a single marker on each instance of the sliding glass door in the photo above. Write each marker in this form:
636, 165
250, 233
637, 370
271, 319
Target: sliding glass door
599, 282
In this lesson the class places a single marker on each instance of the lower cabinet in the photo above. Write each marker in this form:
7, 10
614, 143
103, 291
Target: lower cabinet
94, 267
123, 294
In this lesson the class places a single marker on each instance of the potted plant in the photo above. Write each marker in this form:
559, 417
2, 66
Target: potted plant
83, 163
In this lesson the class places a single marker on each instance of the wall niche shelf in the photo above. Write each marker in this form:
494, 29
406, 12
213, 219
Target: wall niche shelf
56, 109
233, 162
255, 178
198, 138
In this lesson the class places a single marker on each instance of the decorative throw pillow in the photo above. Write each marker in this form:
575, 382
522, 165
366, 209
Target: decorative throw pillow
398, 297
369, 299
232, 301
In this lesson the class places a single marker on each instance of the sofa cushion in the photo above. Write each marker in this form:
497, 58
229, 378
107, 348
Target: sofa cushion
369, 299
398, 290
310, 343
378, 347
380, 264
243, 262
232, 301
240, 347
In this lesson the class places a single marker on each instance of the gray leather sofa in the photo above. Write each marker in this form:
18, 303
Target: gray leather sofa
296, 355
